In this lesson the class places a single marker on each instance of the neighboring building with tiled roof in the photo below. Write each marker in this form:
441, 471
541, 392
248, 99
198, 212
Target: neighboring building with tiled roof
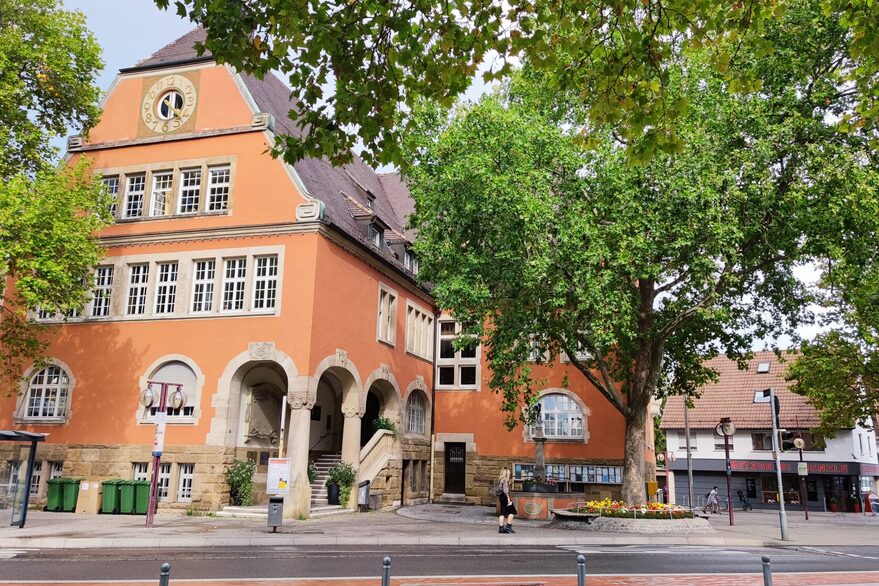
733, 396
838, 467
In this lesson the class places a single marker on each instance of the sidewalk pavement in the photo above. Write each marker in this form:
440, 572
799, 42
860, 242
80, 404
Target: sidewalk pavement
430, 524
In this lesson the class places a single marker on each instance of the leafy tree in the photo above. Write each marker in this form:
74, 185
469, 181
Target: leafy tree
48, 214
654, 268
358, 67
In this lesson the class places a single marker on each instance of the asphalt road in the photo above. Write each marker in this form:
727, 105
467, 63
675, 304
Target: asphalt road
295, 562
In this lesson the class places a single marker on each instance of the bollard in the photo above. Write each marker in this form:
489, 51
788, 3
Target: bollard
386, 571
767, 571
165, 574
581, 570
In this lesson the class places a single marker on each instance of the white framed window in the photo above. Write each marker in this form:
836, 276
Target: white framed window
190, 191
719, 445
161, 194
387, 315
682, 442
138, 278
419, 331
48, 394
134, 189
56, 469
562, 417
234, 280
204, 275
456, 369
103, 291
415, 414
140, 471
111, 183
164, 481
218, 188
265, 285
177, 373
35, 480
410, 263
186, 473
166, 287
377, 235
370, 202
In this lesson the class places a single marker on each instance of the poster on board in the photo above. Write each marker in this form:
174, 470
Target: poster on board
278, 478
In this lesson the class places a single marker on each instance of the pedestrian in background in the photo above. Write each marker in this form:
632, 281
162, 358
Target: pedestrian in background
711, 502
508, 509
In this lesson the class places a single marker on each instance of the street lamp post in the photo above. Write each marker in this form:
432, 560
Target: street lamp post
804, 498
148, 398
727, 429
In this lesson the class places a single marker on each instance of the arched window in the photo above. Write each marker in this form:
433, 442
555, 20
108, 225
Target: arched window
415, 414
176, 373
562, 417
48, 394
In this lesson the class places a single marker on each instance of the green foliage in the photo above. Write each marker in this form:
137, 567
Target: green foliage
529, 233
48, 64
342, 474
344, 495
239, 477
384, 423
312, 472
48, 214
617, 57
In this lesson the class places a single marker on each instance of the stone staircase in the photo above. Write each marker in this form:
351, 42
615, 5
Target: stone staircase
319, 506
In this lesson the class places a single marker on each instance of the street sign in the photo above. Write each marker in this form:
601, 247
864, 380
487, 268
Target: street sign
159, 441
278, 477
803, 468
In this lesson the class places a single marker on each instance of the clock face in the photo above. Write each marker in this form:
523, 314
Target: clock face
168, 104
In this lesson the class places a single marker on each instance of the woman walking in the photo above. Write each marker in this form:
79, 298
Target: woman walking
508, 509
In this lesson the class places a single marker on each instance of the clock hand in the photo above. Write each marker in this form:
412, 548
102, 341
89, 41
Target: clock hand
167, 102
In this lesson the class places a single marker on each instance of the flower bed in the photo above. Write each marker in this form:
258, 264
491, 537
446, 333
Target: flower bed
619, 509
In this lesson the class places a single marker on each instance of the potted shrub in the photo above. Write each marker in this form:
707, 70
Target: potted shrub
340, 479
834, 504
384, 423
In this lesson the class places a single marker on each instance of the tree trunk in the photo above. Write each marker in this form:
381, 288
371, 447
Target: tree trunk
634, 491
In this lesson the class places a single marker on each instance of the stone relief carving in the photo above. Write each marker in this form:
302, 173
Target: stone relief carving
263, 416
419, 383
386, 371
341, 358
261, 350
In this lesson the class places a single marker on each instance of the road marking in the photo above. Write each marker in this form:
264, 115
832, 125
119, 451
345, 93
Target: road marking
840, 553
7, 554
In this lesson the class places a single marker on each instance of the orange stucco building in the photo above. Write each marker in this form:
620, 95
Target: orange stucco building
260, 286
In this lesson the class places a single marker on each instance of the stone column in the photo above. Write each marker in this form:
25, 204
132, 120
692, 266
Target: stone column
351, 447
298, 502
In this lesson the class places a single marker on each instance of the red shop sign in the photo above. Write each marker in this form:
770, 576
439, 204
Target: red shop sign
841, 468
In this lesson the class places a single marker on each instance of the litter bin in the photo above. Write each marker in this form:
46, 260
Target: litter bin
71, 493
276, 512
363, 495
141, 496
126, 497
54, 494
110, 497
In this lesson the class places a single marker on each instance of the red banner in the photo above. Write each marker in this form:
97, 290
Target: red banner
840, 468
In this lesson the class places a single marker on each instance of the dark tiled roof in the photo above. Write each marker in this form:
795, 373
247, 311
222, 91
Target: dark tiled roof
733, 396
180, 50
400, 198
344, 190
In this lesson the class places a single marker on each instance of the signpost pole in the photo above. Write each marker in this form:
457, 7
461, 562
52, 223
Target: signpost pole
804, 498
729, 499
689, 458
158, 446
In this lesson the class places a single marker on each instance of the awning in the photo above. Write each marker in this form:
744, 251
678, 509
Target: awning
21, 436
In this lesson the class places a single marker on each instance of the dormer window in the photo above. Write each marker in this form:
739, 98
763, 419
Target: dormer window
370, 202
377, 236
763, 368
410, 263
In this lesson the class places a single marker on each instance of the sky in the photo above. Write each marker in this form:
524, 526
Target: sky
128, 30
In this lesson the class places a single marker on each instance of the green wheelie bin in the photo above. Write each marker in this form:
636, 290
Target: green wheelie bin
126, 497
54, 494
71, 494
141, 496
110, 497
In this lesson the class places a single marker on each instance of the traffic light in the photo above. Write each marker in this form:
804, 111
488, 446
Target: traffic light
786, 440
